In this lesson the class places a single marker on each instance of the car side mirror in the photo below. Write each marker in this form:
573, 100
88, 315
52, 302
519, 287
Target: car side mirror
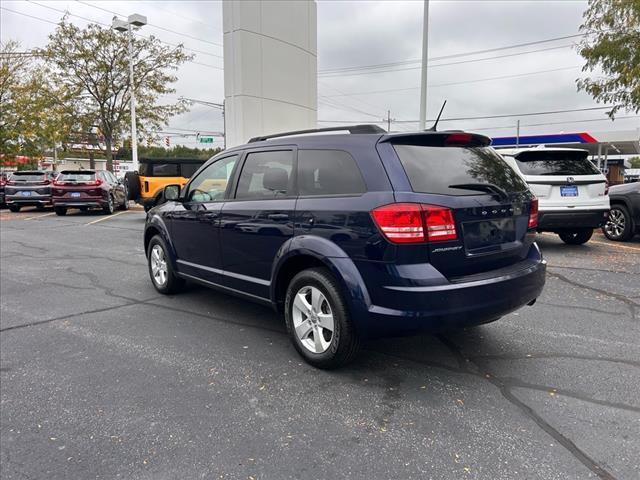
172, 192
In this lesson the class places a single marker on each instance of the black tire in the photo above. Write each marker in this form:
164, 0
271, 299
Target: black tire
84, 209
109, 208
173, 283
344, 342
576, 237
125, 203
132, 184
619, 226
62, 211
14, 208
40, 208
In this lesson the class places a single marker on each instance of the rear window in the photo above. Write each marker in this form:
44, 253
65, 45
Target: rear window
188, 169
435, 169
27, 177
160, 169
555, 163
76, 177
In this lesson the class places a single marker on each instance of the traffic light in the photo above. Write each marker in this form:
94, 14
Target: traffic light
167, 142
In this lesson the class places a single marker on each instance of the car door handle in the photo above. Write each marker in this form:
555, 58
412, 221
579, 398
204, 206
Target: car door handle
278, 217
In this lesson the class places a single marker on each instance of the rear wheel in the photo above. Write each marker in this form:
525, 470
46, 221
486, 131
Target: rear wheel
619, 226
60, 210
318, 320
576, 237
84, 209
109, 207
161, 272
14, 208
125, 202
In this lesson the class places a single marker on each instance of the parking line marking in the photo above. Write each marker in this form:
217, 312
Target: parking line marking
106, 218
625, 247
40, 216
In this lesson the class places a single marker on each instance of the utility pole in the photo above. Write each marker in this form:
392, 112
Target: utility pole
423, 83
388, 120
518, 134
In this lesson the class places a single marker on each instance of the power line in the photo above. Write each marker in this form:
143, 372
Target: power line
348, 74
559, 123
527, 114
109, 26
155, 26
502, 77
455, 55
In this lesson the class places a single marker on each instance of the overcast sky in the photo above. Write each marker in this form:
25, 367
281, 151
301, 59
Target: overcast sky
359, 33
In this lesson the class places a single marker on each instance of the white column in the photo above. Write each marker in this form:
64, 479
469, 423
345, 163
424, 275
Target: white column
270, 67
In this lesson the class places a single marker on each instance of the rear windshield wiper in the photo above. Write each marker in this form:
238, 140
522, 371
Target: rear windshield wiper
482, 187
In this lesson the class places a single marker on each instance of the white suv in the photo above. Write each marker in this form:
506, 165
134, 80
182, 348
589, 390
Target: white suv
572, 192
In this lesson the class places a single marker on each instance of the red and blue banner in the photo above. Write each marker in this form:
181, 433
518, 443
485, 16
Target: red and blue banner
543, 139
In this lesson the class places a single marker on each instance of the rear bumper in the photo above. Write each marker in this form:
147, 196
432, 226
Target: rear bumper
79, 203
457, 305
26, 201
557, 220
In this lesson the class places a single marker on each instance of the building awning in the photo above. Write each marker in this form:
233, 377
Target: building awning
624, 142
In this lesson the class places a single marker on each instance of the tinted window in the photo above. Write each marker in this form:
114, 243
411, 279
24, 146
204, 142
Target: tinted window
556, 163
328, 172
76, 177
188, 169
160, 169
28, 177
435, 169
211, 183
265, 175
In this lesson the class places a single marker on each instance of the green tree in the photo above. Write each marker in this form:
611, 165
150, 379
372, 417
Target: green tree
612, 45
93, 63
36, 116
635, 162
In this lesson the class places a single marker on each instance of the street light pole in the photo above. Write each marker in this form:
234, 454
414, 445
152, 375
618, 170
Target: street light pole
134, 20
423, 83
134, 131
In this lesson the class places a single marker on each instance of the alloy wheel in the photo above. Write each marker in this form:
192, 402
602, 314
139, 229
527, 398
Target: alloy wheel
615, 224
313, 319
158, 265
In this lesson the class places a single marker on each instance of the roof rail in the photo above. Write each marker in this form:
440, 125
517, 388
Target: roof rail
351, 129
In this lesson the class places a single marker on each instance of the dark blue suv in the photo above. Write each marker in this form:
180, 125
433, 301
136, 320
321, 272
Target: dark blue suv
354, 235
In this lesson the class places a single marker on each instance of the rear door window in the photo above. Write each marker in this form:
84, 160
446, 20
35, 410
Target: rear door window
555, 163
328, 172
437, 169
266, 175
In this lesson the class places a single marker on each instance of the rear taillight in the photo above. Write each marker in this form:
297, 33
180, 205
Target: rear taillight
57, 184
97, 182
533, 213
415, 223
439, 222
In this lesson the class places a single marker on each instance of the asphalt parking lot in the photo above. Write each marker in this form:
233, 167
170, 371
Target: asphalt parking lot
101, 377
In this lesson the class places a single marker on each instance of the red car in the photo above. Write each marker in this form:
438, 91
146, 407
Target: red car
85, 189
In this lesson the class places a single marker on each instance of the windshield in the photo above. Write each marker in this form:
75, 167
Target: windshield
556, 163
27, 177
76, 177
436, 169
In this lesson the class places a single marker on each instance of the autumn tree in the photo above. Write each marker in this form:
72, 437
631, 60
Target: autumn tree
612, 45
93, 63
35, 115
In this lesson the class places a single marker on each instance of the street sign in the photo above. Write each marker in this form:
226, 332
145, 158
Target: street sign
202, 139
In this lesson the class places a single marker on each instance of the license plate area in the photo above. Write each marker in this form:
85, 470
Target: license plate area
485, 235
24, 194
75, 194
569, 191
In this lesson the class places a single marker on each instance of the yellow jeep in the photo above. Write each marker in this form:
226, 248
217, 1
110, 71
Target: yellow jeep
146, 186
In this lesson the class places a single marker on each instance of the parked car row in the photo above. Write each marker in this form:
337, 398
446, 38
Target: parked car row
82, 189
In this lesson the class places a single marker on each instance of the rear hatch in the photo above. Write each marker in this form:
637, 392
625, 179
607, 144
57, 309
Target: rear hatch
562, 178
77, 185
488, 203
26, 184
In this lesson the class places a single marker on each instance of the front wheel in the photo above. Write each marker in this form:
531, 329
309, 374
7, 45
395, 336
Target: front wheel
14, 208
161, 272
619, 225
576, 237
318, 320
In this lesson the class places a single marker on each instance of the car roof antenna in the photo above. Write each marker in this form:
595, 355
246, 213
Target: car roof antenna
433, 128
